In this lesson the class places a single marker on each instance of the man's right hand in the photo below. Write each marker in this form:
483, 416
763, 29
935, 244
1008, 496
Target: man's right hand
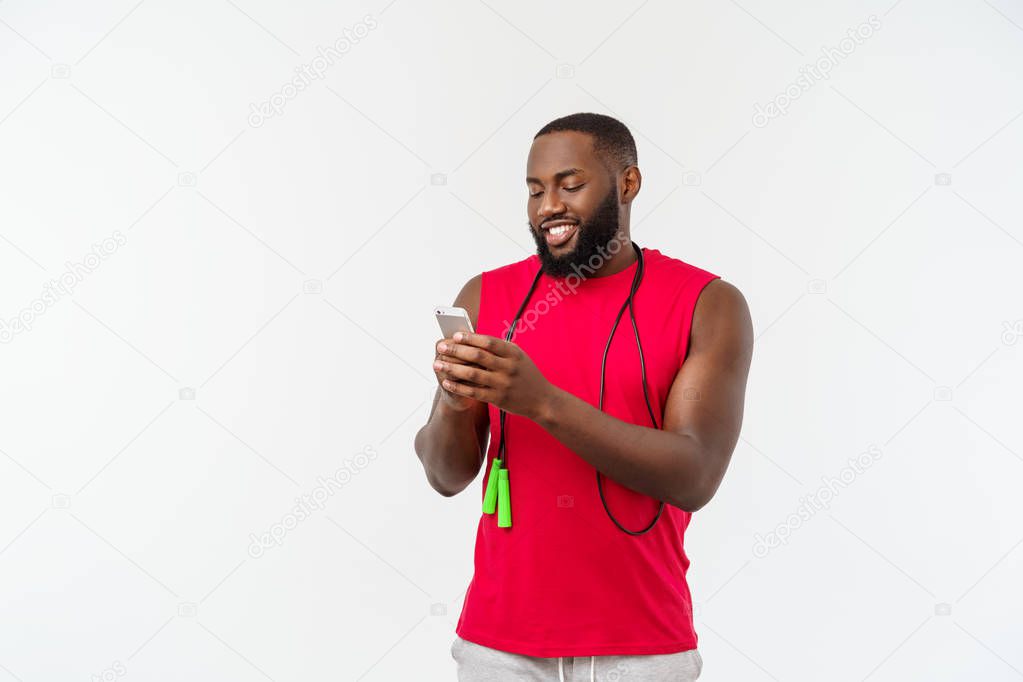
459, 403
453, 443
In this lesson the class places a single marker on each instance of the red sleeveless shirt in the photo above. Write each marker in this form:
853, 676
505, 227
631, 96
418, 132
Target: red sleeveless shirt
564, 580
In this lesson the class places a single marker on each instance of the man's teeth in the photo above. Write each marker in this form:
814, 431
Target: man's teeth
559, 230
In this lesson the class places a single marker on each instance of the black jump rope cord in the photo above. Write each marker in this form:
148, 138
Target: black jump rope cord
637, 278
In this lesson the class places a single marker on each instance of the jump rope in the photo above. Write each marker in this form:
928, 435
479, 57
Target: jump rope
498, 493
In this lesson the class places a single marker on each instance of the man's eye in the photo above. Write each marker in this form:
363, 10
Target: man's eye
534, 195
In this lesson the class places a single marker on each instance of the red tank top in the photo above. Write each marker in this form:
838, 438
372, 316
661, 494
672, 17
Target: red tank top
564, 580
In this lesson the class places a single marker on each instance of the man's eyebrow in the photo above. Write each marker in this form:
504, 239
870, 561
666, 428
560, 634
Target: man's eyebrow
559, 175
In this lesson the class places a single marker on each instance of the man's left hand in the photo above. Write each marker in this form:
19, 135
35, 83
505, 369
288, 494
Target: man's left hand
505, 377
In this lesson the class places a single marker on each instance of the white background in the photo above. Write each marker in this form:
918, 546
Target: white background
199, 379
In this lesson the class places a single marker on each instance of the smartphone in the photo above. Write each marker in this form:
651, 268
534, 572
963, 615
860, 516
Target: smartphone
453, 320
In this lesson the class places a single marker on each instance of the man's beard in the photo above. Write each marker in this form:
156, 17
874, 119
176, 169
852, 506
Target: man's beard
592, 235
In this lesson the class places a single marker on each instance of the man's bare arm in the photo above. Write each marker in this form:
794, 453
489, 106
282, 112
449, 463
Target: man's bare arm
683, 464
452, 444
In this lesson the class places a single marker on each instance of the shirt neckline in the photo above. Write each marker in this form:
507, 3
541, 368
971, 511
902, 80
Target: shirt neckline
582, 282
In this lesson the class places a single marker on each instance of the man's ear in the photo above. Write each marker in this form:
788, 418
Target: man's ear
632, 180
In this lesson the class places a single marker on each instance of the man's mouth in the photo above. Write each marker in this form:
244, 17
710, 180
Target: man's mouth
558, 232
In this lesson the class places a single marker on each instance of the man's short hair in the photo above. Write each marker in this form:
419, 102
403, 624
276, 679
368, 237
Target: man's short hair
612, 141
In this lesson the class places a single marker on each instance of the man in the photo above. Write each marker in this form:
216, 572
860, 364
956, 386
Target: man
604, 472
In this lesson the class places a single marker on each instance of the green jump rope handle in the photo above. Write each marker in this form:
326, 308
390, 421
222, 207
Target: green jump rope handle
503, 500
490, 497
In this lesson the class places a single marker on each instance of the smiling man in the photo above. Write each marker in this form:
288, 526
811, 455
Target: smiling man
604, 438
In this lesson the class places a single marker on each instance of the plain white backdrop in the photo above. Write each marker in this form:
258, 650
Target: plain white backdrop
215, 305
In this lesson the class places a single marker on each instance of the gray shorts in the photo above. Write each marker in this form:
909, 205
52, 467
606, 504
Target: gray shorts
478, 663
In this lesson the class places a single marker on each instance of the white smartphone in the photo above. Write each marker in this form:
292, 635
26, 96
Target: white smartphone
452, 319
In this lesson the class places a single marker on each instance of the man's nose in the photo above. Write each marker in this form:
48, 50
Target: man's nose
551, 205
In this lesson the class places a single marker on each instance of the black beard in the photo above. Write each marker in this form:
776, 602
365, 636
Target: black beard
592, 235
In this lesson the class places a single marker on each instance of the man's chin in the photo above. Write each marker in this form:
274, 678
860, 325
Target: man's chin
560, 266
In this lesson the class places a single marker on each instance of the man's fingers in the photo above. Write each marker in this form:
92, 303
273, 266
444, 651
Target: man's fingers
454, 361
445, 357
480, 393
464, 373
468, 374
491, 344
470, 354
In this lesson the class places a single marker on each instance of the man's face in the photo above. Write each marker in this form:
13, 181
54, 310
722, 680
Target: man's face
573, 201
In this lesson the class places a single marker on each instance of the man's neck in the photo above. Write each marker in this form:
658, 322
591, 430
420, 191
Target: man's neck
625, 257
